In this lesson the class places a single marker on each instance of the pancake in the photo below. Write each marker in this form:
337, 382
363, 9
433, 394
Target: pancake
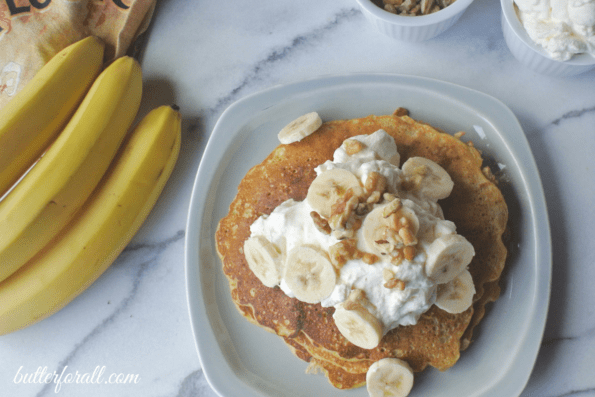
475, 205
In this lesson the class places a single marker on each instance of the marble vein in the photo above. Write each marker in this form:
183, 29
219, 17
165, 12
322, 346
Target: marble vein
158, 246
589, 333
577, 393
155, 249
573, 114
277, 55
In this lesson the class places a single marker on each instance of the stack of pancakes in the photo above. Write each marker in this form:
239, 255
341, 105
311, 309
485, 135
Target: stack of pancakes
475, 205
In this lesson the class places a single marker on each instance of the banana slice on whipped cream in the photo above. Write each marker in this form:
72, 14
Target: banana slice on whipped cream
381, 228
329, 186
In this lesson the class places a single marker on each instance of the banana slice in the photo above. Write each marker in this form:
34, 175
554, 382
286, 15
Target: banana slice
427, 178
389, 377
447, 257
309, 274
329, 186
456, 296
356, 323
374, 228
300, 128
264, 259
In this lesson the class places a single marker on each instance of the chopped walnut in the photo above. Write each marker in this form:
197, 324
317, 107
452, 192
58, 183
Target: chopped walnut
353, 146
400, 112
396, 257
409, 252
414, 8
392, 207
342, 204
426, 6
320, 223
393, 221
355, 224
374, 187
391, 241
346, 250
395, 283
407, 236
342, 251
342, 220
369, 258
406, 6
375, 182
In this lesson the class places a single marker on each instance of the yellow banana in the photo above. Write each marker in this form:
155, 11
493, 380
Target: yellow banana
34, 117
49, 195
101, 230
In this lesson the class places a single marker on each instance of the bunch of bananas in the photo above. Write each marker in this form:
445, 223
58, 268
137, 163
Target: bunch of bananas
75, 184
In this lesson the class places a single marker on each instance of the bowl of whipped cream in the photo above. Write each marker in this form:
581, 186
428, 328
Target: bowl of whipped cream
552, 37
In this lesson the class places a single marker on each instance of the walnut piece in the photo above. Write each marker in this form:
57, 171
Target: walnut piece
342, 221
346, 250
342, 251
320, 223
413, 8
375, 182
400, 112
392, 207
395, 283
409, 252
353, 146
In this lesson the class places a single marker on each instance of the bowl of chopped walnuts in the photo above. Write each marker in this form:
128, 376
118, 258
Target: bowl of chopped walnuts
413, 20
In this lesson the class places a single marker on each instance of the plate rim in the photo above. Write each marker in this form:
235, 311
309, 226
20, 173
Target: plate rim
538, 210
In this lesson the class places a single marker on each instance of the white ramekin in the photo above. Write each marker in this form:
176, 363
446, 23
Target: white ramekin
419, 28
532, 55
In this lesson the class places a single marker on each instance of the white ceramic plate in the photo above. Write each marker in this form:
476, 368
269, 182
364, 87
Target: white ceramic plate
240, 359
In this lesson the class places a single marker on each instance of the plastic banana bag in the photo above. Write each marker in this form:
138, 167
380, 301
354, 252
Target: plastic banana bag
33, 31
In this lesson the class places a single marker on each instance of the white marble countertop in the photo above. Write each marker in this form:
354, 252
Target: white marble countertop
204, 56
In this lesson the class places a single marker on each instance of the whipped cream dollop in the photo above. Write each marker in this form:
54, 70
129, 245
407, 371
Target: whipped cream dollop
562, 27
290, 226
